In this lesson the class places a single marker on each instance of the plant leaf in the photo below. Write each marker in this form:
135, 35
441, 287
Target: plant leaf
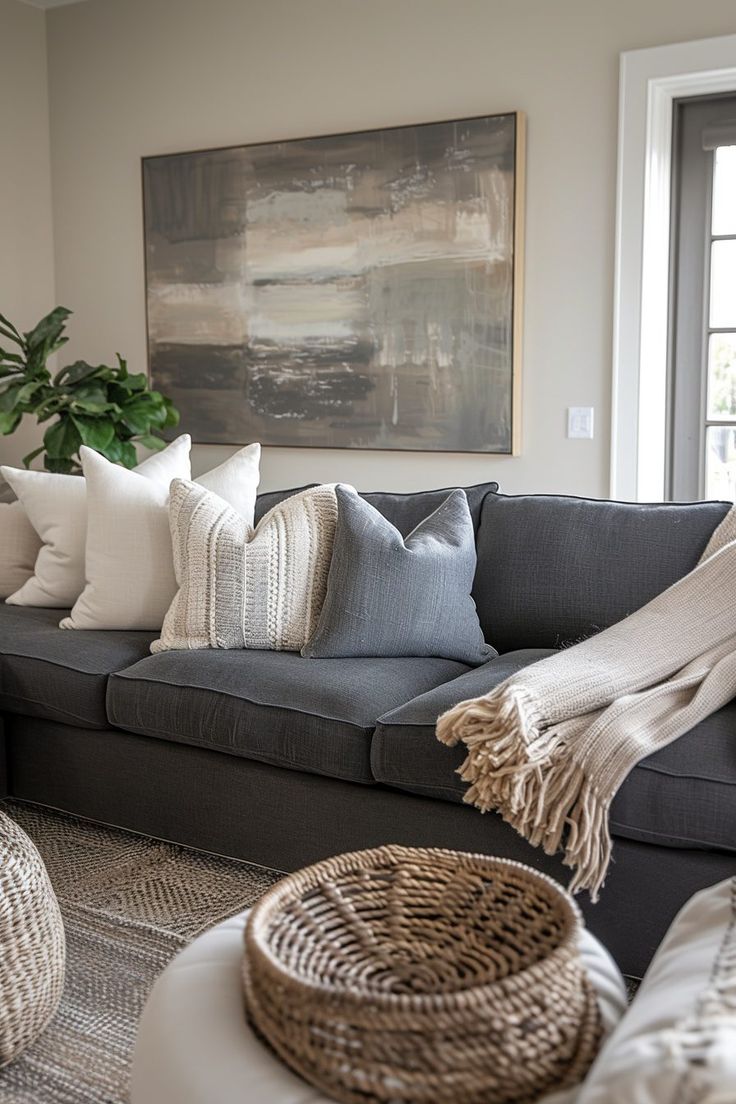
121, 452
147, 440
48, 330
96, 433
142, 412
129, 455
60, 465
80, 370
28, 390
62, 439
9, 396
9, 420
12, 358
172, 415
32, 456
7, 329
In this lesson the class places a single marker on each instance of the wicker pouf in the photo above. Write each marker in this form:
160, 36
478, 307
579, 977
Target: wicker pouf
32, 948
402, 974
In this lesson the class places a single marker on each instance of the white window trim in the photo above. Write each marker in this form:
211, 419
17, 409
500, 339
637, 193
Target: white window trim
650, 81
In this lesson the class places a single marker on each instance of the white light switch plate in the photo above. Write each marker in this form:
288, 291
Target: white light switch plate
580, 421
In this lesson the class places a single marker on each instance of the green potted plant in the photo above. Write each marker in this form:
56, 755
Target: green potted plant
106, 407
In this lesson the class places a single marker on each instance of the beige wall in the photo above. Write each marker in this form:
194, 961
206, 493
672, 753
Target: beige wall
135, 77
26, 247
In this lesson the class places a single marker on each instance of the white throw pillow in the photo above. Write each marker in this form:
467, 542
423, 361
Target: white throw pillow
19, 546
129, 558
677, 1042
240, 588
56, 506
236, 480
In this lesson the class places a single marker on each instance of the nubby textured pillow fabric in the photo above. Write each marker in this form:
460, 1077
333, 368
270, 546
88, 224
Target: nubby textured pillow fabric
129, 563
245, 588
390, 596
56, 506
19, 545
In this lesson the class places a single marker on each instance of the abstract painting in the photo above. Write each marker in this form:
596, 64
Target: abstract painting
351, 291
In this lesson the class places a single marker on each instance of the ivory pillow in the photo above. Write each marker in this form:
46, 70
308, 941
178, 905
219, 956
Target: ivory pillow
677, 1042
19, 545
56, 506
245, 588
129, 561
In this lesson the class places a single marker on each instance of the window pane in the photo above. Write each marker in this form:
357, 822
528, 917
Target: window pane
720, 462
723, 283
722, 377
724, 191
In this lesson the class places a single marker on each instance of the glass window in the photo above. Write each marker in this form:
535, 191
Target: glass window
724, 191
701, 435
723, 282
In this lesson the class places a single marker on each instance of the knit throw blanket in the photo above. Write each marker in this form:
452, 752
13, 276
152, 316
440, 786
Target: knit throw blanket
549, 747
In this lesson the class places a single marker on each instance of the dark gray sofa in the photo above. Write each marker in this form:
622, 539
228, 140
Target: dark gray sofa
282, 760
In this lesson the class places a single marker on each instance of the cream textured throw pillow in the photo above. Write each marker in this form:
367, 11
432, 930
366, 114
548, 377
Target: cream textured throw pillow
129, 562
19, 545
56, 506
240, 588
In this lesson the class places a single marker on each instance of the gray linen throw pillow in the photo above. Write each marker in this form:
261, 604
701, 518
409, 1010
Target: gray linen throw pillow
390, 596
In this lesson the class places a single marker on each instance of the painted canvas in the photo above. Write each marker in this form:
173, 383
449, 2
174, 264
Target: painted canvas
351, 291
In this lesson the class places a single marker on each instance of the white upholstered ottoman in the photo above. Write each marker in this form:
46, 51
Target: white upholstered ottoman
195, 1047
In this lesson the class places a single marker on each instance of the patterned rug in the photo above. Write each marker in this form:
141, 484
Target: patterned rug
129, 905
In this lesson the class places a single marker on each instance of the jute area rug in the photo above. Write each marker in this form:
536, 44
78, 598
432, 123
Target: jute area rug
129, 905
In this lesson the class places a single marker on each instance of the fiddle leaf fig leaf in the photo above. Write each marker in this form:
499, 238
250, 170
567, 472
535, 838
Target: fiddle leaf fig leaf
9, 420
96, 433
62, 439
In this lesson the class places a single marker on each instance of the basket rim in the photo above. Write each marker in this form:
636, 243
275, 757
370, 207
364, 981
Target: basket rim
258, 952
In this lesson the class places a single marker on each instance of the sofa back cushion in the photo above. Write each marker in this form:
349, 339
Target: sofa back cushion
552, 570
405, 511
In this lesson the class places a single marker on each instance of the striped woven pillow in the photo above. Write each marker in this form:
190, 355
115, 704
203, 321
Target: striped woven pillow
247, 588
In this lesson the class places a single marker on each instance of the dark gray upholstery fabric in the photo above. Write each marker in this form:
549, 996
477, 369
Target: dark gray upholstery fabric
393, 596
7, 494
288, 819
312, 715
552, 570
60, 674
682, 796
405, 511
406, 752
685, 794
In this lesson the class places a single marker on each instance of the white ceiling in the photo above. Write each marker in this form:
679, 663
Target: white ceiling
49, 3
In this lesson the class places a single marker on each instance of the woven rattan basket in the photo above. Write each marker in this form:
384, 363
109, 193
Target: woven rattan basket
403, 974
32, 947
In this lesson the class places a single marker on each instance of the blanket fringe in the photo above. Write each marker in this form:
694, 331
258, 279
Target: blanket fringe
553, 806
528, 774
505, 723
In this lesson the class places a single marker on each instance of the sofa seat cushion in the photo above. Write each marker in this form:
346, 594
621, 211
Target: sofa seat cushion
685, 794
682, 796
314, 715
62, 676
405, 751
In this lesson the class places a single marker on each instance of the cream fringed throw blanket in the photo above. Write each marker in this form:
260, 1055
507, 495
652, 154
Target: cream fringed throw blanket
551, 745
